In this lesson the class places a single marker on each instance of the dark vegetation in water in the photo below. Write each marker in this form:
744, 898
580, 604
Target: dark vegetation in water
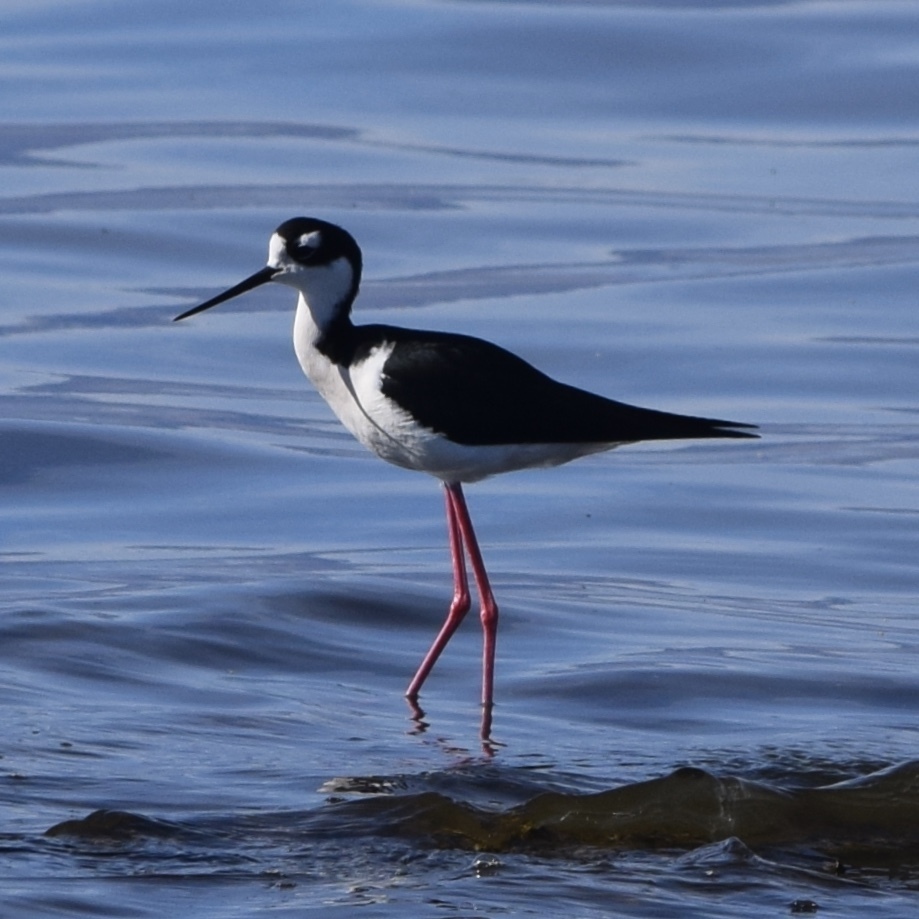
869, 822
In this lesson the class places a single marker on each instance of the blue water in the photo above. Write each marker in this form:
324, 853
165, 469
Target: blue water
213, 599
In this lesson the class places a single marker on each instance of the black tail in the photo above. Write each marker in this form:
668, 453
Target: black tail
589, 418
653, 425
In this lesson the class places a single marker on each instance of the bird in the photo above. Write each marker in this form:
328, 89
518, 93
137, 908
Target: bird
451, 405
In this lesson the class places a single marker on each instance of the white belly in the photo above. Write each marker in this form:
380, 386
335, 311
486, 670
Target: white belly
354, 395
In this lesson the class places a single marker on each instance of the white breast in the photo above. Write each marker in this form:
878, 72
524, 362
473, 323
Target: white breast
354, 394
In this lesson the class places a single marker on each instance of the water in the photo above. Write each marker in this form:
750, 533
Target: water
213, 599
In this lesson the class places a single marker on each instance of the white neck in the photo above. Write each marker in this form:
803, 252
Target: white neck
324, 289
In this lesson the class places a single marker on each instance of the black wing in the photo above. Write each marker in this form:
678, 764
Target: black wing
477, 393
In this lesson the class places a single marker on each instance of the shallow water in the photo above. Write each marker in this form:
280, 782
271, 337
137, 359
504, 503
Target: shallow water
213, 599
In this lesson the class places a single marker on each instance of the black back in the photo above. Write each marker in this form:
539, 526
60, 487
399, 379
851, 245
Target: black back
477, 393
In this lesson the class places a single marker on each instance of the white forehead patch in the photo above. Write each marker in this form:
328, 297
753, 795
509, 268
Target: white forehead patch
276, 251
277, 247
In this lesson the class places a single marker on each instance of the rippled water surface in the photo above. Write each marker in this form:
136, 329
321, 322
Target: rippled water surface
213, 599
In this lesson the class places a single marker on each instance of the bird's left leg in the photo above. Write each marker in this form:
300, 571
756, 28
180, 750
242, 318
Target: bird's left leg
458, 608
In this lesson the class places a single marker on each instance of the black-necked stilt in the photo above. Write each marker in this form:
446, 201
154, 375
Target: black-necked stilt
456, 407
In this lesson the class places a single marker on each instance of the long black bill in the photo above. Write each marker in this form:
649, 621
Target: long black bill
256, 280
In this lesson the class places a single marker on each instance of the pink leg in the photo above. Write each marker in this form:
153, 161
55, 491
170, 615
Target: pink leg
458, 608
459, 526
489, 608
